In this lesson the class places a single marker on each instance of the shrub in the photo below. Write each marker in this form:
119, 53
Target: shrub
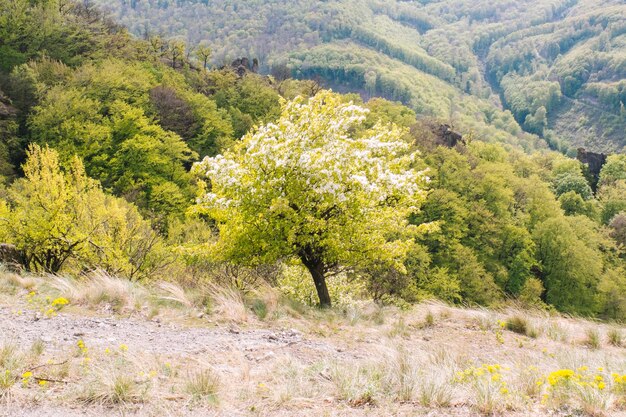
517, 324
63, 219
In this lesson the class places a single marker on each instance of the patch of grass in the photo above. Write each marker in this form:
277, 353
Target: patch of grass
100, 288
483, 321
401, 376
123, 390
113, 388
556, 332
435, 391
18, 281
378, 316
532, 332
517, 324
259, 307
7, 380
615, 337
203, 385
10, 356
358, 384
429, 320
592, 339
399, 328
38, 347
174, 293
228, 304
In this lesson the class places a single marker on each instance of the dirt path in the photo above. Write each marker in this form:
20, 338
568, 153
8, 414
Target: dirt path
230, 349
204, 339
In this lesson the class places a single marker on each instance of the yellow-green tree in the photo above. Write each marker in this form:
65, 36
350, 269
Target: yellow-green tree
306, 187
62, 218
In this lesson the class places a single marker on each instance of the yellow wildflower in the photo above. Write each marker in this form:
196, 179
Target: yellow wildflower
60, 302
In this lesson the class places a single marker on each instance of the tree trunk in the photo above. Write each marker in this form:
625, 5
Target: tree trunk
316, 268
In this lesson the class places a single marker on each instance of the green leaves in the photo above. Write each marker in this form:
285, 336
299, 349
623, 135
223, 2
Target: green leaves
304, 187
101, 114
62, 220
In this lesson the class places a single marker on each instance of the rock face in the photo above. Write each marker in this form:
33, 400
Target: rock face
6, 110
594, 162
448, 137
11, 257
242, 66
430, 133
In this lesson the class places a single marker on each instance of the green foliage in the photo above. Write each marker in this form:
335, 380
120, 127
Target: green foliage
531, 293
573, 204
68, 32
100, 115
572, 182
249, 100
424, 52
306, 188
294, 281
526, 97
501, 224
570, 267
613, 200
613, 170
63, 219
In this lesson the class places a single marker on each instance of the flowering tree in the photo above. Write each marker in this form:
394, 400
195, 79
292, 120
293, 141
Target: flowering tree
310, 187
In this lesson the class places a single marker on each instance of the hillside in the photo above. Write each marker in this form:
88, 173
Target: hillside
184, 238
558, 66
116, 348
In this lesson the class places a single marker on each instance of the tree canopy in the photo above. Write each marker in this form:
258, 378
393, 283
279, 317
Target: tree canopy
306, 187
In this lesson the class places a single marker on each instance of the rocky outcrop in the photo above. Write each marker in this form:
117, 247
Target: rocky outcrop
430, 133
6, 110
447, 136
242, 66
594, 162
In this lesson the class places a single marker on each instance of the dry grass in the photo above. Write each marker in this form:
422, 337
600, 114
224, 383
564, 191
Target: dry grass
593, 339
228, 304
203, 385
101, 289
111, 388
173, 292
615, 337
347, 361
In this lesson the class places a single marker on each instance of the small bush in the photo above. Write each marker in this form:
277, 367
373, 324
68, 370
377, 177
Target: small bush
517, 324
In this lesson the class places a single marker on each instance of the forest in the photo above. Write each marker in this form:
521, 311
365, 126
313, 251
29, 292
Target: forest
101, 133
556, 66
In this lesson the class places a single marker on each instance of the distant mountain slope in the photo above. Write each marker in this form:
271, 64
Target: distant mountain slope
559, 66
